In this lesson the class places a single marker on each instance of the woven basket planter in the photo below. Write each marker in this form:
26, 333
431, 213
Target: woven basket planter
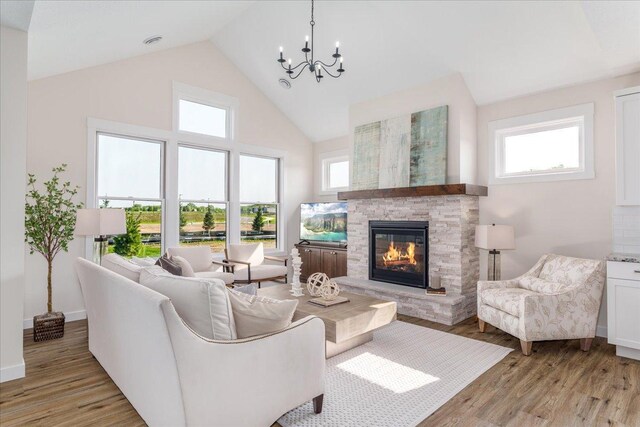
48, 326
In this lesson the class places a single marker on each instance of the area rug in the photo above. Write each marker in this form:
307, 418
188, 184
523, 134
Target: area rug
400, 378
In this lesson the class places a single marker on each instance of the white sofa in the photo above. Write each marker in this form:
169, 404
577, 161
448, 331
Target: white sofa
559, 298
174, 377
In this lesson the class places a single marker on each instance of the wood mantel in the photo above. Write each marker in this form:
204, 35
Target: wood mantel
422, 191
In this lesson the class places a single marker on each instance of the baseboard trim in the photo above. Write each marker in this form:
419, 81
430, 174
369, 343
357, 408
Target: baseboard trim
13, 372
601, 331
69, 316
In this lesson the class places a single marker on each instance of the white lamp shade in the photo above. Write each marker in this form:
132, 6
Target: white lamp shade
496, 237
100, 222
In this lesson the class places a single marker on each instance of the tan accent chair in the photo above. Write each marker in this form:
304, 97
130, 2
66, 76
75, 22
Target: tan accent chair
247, 263
559, 298
201, 260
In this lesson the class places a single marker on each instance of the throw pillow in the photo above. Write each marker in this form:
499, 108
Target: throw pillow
143, 262
184, 265
122, 266
255, 315
202, 303
167, 264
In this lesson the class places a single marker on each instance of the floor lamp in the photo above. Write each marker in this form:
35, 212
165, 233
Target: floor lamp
100, 223
495, 238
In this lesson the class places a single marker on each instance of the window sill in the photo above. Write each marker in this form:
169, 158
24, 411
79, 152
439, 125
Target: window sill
547, 177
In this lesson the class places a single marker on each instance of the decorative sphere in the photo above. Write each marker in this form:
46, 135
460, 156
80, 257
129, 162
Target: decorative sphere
330, 290
315, 282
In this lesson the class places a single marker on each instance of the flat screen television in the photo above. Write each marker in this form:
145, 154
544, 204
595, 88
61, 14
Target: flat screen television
323, 222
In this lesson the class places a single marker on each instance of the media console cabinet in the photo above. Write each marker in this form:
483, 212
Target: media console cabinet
331, 260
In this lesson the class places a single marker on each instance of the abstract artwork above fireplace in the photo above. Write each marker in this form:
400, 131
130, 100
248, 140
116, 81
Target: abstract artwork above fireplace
405, 151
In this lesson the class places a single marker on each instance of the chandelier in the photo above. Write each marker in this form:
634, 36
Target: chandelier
314, 65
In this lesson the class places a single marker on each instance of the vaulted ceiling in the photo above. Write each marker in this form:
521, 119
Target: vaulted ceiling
502, 49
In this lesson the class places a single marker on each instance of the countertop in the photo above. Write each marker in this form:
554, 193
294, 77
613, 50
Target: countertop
623, 257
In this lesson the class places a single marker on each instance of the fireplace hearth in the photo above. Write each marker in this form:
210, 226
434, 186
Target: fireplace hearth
399, 252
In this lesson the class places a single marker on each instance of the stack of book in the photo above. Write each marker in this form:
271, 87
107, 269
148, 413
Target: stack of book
436, 291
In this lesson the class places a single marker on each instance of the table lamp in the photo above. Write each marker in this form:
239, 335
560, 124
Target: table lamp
495, 238
100, 223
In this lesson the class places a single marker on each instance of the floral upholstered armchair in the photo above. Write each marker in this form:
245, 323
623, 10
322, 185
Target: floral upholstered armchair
559, 298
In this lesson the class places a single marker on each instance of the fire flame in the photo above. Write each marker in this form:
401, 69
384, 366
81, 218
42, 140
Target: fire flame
395, 254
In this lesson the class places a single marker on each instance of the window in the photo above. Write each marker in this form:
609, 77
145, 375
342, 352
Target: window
203, 112
129, 177
202, 188
204, 119
259, 200
186, 186
548, 146
334, 172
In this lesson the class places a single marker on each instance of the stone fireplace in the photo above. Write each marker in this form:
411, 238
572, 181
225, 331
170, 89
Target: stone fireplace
452, 212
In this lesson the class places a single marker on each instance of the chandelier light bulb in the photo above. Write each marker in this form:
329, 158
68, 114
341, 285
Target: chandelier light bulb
289, 61
280, 49
341, 59
337, 45
306, 38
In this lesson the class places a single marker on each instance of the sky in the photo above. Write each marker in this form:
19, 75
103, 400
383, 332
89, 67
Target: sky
531, 151
202, 119
310, 209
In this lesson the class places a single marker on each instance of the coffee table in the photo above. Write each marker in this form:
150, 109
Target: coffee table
347, 325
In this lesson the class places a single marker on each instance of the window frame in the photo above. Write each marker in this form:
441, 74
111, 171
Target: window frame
326, 160
580, 115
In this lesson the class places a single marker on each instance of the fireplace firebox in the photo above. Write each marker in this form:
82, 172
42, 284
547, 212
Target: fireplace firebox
399, 252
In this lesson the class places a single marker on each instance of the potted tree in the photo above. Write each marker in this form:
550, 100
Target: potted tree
50, 218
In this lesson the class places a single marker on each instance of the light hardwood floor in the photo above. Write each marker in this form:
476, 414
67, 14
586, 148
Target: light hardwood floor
558, 385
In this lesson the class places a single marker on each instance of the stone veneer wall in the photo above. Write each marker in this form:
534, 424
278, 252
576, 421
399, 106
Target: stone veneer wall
452, 221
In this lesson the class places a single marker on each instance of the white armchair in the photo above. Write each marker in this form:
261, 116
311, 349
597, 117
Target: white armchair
247, 263
201, 260
559, 298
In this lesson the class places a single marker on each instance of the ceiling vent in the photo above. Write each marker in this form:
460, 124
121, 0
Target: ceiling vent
152, 40
285, 83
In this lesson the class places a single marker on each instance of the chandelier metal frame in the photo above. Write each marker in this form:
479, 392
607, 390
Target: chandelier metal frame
315, 66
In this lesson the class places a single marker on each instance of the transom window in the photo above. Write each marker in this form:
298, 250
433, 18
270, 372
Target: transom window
548, 146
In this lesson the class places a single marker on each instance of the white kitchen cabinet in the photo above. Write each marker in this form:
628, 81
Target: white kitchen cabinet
628, 146
623, 307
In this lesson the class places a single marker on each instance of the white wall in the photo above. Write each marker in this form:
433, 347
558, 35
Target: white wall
13, 161
566, 217
450, 90
139, 91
